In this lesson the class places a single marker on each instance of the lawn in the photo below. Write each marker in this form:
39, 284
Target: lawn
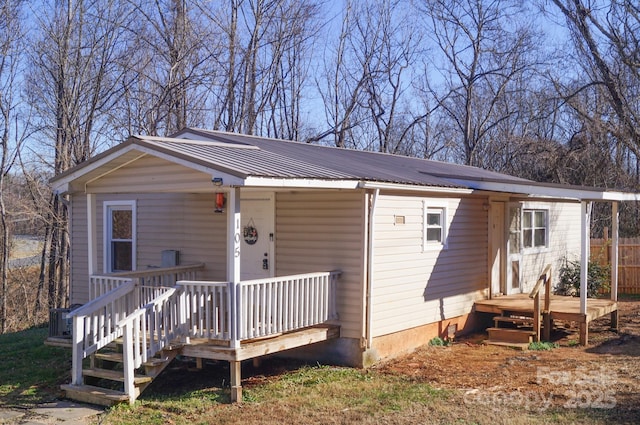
31, 372
464, 383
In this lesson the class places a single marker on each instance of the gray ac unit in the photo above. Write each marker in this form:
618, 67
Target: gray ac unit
60, 326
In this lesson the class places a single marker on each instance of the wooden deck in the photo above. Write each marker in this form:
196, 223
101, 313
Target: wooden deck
560, 308
249, 349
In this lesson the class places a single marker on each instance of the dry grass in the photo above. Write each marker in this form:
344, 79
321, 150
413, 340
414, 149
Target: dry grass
21, 304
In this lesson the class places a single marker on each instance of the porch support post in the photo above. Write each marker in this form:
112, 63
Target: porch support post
584, 253
236, 381
585, 222
614, 260
233, 264
92, 256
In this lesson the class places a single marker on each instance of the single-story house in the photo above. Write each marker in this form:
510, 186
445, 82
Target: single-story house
224, 240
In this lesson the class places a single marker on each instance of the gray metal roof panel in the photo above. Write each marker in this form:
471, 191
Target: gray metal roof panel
365, 165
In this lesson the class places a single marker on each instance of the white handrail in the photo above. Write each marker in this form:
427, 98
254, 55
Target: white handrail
95, 324
159, 276
161, 321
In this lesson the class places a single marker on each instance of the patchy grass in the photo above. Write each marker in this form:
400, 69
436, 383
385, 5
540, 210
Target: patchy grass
31, 372
308, 394
543, 346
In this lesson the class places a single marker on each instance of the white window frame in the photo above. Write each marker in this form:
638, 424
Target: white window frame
108, 207
427, 208
532, 209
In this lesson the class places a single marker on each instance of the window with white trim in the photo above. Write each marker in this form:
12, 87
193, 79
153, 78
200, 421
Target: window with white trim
535, 228
120, 236
435, 226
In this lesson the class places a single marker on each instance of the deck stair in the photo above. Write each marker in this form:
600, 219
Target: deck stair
512, 330
104, 376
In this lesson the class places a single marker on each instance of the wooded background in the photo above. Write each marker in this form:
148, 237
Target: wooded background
544, 89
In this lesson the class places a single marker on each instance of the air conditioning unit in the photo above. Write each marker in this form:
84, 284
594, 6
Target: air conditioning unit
60, 326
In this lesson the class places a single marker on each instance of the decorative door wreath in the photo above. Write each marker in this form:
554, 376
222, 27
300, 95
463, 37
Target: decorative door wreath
250, 233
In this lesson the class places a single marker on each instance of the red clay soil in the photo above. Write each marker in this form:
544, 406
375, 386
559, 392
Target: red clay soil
603, 375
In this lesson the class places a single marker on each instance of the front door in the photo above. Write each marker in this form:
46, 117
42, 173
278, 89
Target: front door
257, 236
514, 257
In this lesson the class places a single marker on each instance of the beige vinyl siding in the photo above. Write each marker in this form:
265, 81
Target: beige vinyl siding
181, 221
79, 285
321, 231
151, 174
564, 241
414, 287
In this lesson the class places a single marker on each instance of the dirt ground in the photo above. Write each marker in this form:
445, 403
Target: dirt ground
604, 375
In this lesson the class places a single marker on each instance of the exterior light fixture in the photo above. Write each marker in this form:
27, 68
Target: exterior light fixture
217, 181
220, 202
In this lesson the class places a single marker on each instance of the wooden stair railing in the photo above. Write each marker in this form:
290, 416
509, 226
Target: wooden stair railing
543, 281
139, 337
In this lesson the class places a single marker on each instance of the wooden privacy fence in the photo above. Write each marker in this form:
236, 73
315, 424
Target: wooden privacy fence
628, 261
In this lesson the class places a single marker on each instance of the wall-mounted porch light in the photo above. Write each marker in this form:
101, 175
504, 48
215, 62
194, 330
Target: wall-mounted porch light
221, 201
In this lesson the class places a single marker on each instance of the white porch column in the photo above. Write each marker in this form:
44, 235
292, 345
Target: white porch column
585, 240
233, 263
614, 250
92, 249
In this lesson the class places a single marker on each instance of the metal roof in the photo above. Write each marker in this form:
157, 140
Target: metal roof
287, 159
246, 157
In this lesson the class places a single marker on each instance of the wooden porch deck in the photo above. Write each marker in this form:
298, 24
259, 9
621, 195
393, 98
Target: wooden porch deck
563, 308
143, 322
202, 348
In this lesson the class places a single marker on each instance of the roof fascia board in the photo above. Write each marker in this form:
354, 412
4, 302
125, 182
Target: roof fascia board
552, 192
398, 186
256, 181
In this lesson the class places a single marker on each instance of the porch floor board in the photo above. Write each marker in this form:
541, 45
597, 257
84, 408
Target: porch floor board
561, 307
249, 349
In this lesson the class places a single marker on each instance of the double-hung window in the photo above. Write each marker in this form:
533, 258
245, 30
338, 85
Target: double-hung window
435, 226
535, 228
120, 236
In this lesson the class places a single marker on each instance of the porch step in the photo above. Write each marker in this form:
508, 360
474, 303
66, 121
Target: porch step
518, 321
94, 395
516, 345
510, 335
117, 358
115, 375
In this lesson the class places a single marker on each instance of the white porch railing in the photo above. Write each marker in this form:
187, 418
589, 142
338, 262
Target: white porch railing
114, 298
265, 306
149, 318
149, 330
95, 324
282, 304
207, 306
153, 277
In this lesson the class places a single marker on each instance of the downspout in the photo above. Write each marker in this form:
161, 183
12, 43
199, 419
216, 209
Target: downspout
371, 230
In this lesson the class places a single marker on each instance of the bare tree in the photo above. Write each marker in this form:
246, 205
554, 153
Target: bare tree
606, 36
72, 82
10, 59
486, 49
167, 62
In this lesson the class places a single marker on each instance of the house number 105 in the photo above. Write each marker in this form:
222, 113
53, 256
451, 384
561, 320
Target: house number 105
236, 249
